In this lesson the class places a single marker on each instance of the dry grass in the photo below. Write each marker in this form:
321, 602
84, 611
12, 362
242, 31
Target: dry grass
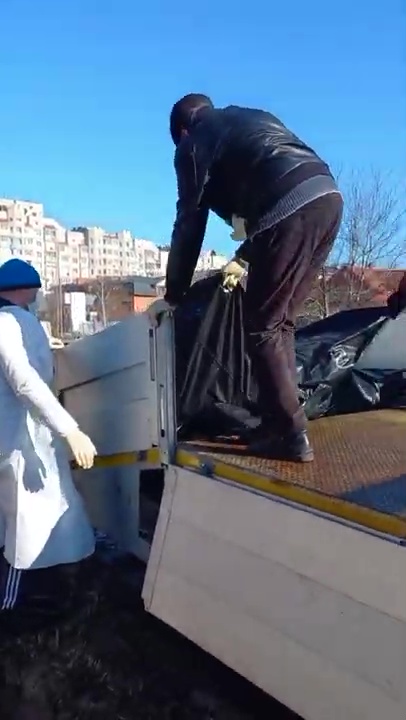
112, 661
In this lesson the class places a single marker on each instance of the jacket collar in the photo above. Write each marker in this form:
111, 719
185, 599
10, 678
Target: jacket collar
5, 303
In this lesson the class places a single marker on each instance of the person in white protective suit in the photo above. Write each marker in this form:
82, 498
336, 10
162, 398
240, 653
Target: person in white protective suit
43, 523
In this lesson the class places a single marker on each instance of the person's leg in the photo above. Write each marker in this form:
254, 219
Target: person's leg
32, 599
284, 263
276, 262
11, 585
288, 331
333, 208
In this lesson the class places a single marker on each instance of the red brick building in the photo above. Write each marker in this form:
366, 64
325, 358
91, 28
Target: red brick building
351, 286
108, 299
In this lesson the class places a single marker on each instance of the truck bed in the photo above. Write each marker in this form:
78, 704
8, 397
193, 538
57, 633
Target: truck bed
359, 470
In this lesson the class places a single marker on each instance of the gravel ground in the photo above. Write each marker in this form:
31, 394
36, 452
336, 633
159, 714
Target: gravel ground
112, 661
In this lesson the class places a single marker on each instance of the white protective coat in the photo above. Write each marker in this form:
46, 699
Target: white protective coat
42, 518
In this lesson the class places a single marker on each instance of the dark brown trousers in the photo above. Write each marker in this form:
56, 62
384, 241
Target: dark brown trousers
284, 263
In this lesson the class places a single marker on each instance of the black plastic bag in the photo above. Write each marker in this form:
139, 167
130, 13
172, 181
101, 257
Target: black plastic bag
215, 387
213, 369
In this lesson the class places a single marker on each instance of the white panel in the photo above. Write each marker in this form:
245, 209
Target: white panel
366, 568
109, 386
309, 684
372, 645
310, 610
115, 411
111, 496
388, 349
119, 346
117, 429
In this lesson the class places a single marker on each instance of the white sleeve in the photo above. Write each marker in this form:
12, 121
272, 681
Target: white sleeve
25, 381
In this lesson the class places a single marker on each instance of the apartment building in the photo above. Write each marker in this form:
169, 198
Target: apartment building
210, 260
66, 255
63, 256
21, 231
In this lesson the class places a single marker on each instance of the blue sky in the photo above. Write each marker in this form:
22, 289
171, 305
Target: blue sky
87, 86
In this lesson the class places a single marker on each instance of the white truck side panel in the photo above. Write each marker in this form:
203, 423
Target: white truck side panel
311, 611
109, 385
111, 496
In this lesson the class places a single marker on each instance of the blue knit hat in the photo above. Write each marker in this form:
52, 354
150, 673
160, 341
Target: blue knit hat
16, 274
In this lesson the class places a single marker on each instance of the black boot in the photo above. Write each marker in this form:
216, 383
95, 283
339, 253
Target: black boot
291, 448
262, 432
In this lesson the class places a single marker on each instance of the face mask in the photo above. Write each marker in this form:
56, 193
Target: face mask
33, 307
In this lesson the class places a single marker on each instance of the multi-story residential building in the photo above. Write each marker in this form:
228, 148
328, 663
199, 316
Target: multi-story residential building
109, 253
119, 253
21, 231
148, 258
66, 255
210, 260
62, 255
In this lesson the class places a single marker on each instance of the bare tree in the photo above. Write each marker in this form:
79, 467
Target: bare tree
370, 236
102, 287
317, 305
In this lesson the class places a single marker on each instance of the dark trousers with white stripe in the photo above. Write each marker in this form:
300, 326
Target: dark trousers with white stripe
11, 586
44, 590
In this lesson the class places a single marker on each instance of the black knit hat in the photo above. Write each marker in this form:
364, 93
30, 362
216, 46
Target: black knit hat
183, 111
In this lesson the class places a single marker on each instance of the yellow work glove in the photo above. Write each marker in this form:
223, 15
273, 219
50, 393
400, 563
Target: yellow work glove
239, 232
232, 274
82, 448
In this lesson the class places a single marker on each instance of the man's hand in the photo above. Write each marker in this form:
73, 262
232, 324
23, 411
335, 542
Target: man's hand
158, 308
232, 274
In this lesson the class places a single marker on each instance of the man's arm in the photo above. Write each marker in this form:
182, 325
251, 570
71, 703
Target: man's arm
191, 220
25, 381
244, 251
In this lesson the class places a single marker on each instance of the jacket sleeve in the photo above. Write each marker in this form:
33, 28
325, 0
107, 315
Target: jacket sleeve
191, 220
244, 251
24, 380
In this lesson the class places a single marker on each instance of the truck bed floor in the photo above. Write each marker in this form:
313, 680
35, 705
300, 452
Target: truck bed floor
360, 459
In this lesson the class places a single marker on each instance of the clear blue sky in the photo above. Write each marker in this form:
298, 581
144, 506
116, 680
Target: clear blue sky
87, 85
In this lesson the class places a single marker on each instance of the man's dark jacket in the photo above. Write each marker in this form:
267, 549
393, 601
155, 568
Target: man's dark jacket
233, 161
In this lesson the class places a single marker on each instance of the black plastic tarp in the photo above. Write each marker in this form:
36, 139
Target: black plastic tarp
216, 392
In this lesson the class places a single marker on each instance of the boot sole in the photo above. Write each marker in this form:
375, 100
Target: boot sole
305, 458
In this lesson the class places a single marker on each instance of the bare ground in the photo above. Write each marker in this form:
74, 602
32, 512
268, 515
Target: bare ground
112, 661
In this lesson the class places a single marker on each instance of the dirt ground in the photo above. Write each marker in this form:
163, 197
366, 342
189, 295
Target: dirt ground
112, 661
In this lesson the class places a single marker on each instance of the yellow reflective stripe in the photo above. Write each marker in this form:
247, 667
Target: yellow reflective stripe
357, 514
366, 517
152, 455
